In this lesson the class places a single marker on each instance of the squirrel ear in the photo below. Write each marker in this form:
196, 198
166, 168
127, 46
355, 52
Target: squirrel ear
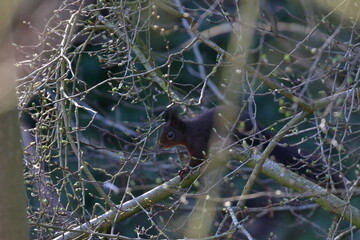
171, 115
167, 114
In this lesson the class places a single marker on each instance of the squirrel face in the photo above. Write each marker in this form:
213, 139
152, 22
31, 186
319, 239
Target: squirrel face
173, 132
171, 136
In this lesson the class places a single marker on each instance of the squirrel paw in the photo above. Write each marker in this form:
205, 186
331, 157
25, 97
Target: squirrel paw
183, 172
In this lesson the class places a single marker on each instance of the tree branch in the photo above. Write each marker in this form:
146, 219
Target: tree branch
325, 199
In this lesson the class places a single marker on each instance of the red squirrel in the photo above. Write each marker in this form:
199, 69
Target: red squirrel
195, 134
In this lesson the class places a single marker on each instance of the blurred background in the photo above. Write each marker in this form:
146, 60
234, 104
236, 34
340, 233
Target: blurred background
94, 78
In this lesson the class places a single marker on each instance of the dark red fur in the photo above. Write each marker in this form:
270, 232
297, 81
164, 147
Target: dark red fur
195, 135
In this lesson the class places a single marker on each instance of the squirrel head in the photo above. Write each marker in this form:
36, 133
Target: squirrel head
173, 132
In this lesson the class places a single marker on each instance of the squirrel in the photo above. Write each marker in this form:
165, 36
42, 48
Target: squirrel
198, 133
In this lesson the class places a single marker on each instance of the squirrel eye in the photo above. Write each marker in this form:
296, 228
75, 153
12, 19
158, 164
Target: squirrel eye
170, 135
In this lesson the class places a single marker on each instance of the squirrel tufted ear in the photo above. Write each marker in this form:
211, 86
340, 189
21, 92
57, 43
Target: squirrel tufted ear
172, 113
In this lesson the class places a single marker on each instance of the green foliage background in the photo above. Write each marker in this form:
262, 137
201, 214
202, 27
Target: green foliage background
92, 104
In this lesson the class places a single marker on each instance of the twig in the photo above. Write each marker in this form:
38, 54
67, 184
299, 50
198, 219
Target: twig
300, 116
238, 225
